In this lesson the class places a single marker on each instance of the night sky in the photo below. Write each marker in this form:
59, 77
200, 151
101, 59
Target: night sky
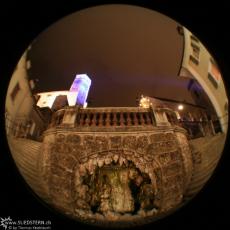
126, 51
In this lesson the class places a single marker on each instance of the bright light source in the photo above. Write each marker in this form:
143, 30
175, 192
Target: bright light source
180, 107
85, 105
144, 102
81, 85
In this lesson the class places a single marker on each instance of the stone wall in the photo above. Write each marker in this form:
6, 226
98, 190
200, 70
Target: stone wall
163, 154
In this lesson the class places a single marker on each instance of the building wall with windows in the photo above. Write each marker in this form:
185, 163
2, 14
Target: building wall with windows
22, 117
19, 99
47, 99
198, 64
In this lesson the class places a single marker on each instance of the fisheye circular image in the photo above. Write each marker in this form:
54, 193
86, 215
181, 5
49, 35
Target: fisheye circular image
116, 115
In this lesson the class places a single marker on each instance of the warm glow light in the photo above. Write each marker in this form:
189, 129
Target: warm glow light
144, 102
180, 107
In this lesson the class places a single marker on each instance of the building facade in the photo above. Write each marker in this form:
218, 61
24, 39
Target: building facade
23, 117
199, 65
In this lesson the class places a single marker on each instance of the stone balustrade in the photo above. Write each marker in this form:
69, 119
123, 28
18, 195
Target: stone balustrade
121, 118
103, 117
114, 117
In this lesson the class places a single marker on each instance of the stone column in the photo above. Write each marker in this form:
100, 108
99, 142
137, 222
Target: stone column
69, 117
161, 118
212, 127
201, 129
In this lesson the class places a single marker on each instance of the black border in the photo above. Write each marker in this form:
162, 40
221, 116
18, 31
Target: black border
23, 21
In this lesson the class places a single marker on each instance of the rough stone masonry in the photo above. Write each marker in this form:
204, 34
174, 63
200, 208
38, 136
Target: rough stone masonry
115, 177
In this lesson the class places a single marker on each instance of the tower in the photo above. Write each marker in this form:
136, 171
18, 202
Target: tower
81, 85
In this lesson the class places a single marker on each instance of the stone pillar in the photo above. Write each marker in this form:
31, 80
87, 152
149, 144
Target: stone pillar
212, 127
94, 119
17, 130
107, 119
122, 120
27, 129
201, 129
100, 119
135, 119
161, 118
129, 122
69, 117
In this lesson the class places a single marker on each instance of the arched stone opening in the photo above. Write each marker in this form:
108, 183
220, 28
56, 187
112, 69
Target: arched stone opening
113, 186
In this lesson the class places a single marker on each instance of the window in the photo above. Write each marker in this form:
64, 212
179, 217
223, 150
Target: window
15, 92
195, 39
214, 74
193, 60
196, 94
180, 30
212, 80
194, 57
195, 51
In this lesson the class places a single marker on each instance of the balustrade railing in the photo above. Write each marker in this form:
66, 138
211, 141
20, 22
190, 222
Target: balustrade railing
195, 128
107, 118
125, 117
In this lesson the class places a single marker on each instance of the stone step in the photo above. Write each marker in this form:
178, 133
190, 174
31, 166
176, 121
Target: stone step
25, 157
207, 167
198, 184
202, 173
25, 153
210, 149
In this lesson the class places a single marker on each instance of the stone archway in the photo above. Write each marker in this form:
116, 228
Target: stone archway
152, 170
115, 185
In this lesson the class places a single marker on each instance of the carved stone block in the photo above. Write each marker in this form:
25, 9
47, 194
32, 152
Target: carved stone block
142, 143
115, 142
129, 142
101, 143
73, 139
60, 138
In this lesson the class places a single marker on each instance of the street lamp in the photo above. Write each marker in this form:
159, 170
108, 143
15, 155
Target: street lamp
180, 107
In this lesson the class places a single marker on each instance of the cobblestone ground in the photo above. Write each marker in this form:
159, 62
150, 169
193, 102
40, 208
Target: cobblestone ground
208, 151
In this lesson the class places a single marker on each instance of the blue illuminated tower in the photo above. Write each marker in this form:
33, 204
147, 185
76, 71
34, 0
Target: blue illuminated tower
81, 85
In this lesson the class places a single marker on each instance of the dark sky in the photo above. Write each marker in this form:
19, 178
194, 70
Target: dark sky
126, 51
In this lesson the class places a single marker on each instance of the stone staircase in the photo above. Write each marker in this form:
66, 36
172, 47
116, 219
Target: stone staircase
25, 153
210, 149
